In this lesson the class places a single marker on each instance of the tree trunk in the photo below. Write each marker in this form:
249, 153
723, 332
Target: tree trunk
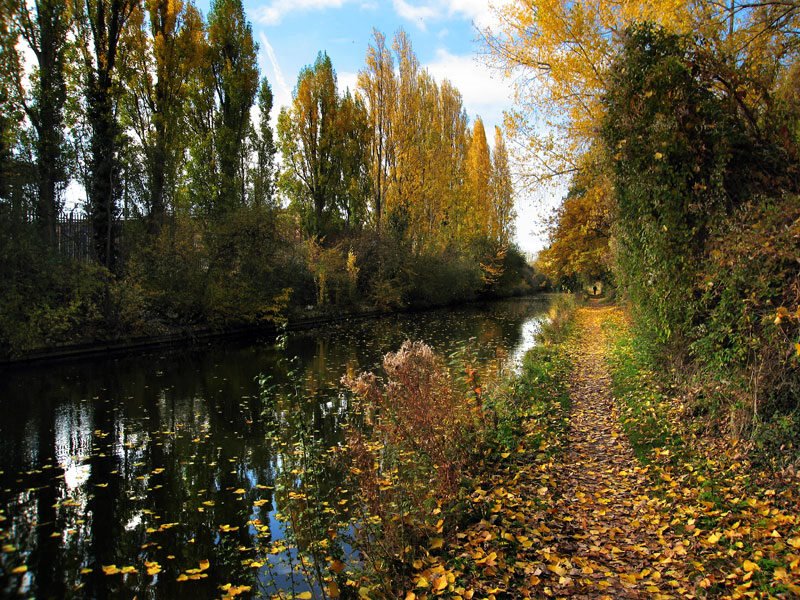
102, 191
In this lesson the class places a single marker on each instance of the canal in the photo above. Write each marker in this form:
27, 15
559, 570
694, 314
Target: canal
154, 476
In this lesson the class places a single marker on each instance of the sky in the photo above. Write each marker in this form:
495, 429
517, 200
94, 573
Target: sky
445, 37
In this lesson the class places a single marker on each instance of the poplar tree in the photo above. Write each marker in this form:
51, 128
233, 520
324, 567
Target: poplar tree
233, 70
101, 24
163, 51
43, 26
11, 115
307, 134
478, 174
262, 174
377, 84
502, 192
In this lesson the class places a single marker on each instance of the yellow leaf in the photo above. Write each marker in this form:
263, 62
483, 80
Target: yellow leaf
440, 584
204, 564
749, 566
411, 596
422, 583
794, 542
713, 538
304, 596
337, 566
128, 569
182, 577
240, 491
20, 570
436, 543
110, 569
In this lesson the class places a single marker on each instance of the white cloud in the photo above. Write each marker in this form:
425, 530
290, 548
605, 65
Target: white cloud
480, 12
280, 89
273, 13
418, 13
347, 80
485, 92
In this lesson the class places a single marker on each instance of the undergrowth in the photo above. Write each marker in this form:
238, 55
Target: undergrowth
423, 460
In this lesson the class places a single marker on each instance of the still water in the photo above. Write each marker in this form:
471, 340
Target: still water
153, 476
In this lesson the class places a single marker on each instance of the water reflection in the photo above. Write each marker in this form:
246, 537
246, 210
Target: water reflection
155, 464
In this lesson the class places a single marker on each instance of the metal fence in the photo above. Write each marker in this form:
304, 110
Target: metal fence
74, 236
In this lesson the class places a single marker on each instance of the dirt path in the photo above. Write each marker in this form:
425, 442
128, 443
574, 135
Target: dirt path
591, 521
608, 530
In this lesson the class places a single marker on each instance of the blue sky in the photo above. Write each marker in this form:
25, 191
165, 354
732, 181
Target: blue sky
444, 35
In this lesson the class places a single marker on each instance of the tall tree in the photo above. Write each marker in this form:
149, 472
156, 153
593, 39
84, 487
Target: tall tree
560, 51
101, 24
502, 191
408, 127
353, 156
378, 85
478, 175
11, 114
262, 176
308, 136
234, 77
163, 51
452, 154
43, 26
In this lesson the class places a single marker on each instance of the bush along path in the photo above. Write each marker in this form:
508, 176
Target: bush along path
610, 494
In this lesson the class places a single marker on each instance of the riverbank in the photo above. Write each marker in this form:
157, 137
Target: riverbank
189, 336
614, 491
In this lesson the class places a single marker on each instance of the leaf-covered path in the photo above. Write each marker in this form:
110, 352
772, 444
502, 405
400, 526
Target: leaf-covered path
609, 530
574, 513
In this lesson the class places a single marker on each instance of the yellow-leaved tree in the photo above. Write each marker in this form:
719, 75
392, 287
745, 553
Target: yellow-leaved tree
478, 175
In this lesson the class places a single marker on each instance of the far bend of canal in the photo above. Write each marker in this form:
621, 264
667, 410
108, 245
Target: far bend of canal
163, 465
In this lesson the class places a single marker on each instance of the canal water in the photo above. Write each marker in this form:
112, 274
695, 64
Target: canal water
153, 476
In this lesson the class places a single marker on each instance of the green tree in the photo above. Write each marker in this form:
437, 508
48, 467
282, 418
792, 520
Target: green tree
233, 74
672, 144
101, 24
310, 141
11, 115
44, 26
162, 52
262, 173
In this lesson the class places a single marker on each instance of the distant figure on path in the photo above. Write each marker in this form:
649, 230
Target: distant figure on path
594, 290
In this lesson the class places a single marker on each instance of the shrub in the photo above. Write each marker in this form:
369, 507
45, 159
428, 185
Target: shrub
750, 298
